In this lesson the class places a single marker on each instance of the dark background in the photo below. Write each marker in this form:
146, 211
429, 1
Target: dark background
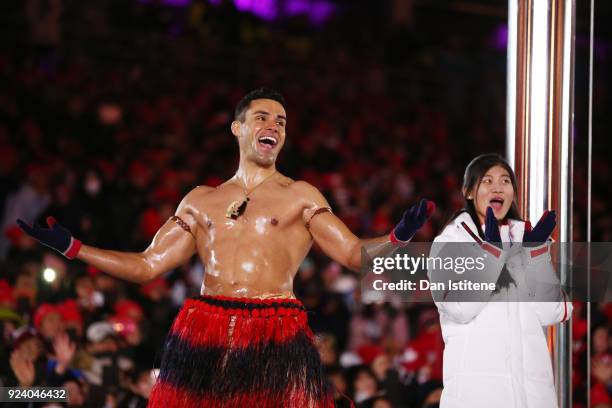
111, 111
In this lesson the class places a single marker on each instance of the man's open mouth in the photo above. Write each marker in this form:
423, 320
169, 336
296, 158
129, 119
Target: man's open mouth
267, 141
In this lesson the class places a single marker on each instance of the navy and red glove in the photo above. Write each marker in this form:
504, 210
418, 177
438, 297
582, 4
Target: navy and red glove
541, 232
491, 231
412, 220
55, 237
492, 242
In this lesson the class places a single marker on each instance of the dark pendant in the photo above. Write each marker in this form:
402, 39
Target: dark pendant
236, 209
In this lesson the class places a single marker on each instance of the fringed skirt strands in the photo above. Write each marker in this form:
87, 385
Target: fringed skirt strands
241, 352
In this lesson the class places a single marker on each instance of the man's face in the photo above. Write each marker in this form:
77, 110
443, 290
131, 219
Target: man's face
262, 134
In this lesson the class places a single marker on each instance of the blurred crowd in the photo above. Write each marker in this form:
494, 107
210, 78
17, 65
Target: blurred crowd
110, 113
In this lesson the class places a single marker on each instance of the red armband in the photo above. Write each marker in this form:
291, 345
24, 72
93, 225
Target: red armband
73, 248
395, 240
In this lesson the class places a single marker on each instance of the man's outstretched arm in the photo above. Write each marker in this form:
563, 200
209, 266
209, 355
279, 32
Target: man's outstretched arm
340, 244
171, 246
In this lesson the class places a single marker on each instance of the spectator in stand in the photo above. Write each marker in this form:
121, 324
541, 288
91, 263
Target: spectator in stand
601, 363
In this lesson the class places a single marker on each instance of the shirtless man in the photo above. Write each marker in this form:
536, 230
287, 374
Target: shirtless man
245, 340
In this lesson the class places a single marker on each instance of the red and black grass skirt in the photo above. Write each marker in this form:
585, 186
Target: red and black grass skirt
240, 352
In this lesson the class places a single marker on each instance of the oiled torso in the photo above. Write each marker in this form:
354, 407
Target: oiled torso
257, 254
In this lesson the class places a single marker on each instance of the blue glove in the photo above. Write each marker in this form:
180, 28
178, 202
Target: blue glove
491, 231
492, 242
542, 231
55, 237
412, 220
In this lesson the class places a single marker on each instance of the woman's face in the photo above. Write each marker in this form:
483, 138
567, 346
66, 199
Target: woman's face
496, 191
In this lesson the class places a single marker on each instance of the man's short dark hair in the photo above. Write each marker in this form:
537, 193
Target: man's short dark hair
260, 93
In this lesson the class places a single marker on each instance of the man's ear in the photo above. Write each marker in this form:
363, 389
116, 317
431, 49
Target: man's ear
235, 126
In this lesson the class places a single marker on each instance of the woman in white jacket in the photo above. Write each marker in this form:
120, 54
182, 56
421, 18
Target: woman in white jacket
495, 349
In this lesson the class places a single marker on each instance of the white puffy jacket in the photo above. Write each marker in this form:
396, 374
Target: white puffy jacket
496, 353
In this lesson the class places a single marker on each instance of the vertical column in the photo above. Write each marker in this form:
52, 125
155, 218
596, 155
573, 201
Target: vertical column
540, 125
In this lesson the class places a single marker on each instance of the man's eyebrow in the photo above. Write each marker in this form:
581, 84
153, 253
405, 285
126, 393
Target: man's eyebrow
261, 112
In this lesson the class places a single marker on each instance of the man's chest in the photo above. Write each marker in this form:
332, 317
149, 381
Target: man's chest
264, 211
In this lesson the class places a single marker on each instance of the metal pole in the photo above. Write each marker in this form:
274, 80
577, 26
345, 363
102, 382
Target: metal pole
589, 193
543, 31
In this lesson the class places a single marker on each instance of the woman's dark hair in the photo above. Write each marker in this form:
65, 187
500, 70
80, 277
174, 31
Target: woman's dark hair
474, 173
